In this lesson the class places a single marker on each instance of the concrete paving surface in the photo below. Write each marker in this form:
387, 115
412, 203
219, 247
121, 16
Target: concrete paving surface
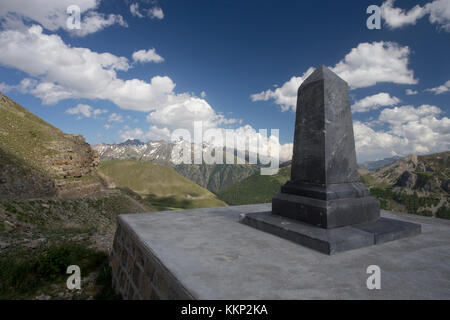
216, 257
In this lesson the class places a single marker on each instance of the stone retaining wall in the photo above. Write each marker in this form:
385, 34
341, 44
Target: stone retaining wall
77, 187
137, 274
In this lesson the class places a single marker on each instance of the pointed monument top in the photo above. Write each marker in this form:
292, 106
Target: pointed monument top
324, 145
322, 73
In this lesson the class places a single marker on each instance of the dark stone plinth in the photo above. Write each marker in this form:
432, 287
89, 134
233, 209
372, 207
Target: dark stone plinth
331, 241
385, 229
326, 213
324, 189
324, 206
326, 192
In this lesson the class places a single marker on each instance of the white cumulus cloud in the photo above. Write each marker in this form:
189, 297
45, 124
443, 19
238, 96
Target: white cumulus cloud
134, 9
182, 114
438, 11
86, 111
93, 22
52, 14
397, 17
364, 66
372, 63
115, 117
411, 92
60, 72
374, 102
418, 130
155, 13
286, 95
147, 56
441, 89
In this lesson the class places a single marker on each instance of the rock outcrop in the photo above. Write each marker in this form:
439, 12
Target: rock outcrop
75, 159
39, 160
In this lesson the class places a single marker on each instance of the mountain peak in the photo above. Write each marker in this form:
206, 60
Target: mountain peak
132, 142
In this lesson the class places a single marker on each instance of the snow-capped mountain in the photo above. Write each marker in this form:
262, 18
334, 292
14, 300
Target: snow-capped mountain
152, 151
211, 176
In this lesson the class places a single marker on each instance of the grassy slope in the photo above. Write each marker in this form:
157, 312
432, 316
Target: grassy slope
218, 176
28, 149
26, 136
255, 189
39, 238
162, 186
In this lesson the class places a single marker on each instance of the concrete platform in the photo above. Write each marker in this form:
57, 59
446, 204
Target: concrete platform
331, 241
208, 254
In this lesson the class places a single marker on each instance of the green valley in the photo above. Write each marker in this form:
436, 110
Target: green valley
161, 186
255, 189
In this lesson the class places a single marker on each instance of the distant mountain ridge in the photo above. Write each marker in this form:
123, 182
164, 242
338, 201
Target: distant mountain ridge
214, 177
414, 184
132, 142
152, 151
375, 164
426, 174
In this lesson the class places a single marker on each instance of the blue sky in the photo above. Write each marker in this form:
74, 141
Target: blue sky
140, 69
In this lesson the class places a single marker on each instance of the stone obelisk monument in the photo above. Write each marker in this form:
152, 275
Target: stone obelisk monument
324, 206
324, 189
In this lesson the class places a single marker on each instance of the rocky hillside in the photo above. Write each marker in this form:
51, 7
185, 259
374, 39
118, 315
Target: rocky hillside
423, 174
54, 210
216, 177
213, 177
38, 159
373, 165
39, 238
414, 184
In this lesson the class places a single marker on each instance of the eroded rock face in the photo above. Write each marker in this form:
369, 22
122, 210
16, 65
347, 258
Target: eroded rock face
69, 173
407, 180
35, 156
75, 159
428, 173
446, 186
77, 188
75, 168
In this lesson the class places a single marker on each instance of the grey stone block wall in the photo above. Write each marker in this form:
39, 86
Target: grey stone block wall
216, 257
137, 274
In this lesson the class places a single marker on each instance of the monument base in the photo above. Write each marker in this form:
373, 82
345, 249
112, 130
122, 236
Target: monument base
330, 241
207, 254
326, 213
